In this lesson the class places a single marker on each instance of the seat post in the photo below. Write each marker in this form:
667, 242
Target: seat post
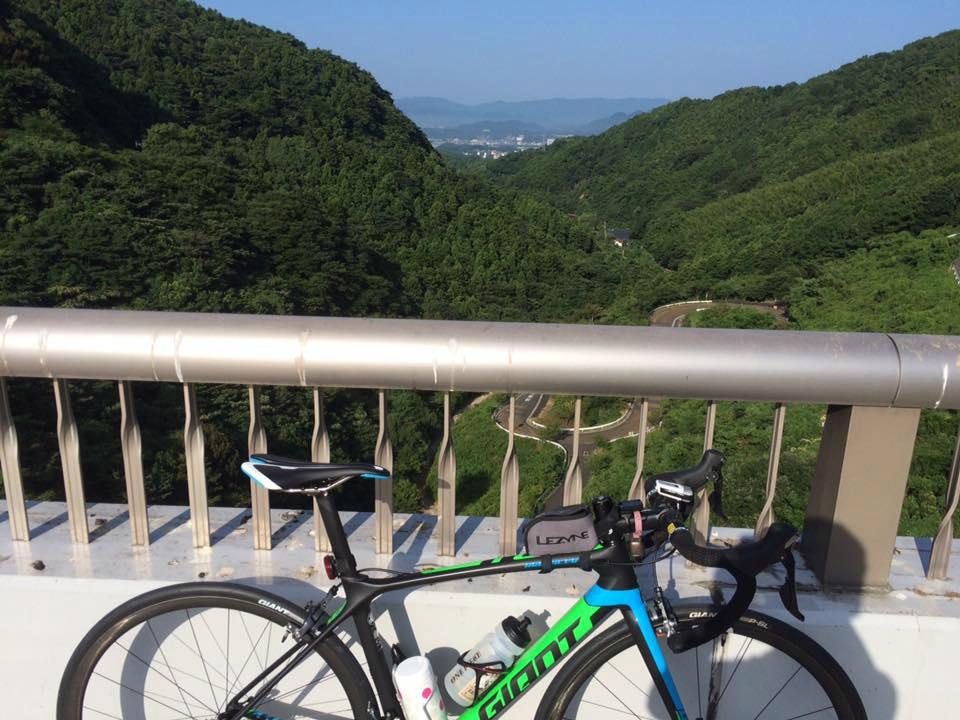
346, 563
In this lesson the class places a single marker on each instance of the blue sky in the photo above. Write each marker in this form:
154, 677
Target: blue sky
526, 49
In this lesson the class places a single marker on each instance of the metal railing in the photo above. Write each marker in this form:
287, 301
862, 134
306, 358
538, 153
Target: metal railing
895, 374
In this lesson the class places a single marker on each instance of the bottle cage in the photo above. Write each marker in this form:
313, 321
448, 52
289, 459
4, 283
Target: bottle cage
496, 667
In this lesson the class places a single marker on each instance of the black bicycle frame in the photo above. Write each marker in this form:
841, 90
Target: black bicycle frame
617, 587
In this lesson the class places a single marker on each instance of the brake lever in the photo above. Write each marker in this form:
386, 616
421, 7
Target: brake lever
788, 591
716, 497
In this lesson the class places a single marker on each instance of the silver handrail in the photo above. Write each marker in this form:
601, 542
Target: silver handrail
765, 365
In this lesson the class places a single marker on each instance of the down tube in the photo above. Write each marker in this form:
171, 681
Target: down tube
538, 660
632, 599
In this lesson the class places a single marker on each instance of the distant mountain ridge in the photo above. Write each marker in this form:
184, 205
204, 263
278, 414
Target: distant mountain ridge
560, 115
747, 192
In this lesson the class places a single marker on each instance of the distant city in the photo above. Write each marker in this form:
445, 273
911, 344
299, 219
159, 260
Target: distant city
495, 129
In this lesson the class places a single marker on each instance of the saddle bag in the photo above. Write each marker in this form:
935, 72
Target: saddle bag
559, 532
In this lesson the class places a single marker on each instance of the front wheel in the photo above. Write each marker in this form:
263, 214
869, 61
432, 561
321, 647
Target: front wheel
762, 669
185, 651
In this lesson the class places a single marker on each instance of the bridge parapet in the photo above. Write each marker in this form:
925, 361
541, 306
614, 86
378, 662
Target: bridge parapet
874, 384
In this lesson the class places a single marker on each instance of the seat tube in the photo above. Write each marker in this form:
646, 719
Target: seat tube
346, 563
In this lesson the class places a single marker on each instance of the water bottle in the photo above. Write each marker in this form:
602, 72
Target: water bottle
505, 644
417, 688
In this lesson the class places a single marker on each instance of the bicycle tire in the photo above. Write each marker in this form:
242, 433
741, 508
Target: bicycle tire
572, 684
169, 610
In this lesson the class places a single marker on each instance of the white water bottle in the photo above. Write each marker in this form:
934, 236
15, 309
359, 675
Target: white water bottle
505, 644
417, 688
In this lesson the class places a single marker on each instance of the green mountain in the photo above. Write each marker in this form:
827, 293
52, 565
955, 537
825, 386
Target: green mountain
750, 190
156, 155
210, 158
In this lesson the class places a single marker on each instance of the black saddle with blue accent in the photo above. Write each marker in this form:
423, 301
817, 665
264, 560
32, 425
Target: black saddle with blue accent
296, 476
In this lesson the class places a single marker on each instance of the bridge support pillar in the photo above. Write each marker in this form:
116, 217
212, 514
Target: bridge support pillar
858, 488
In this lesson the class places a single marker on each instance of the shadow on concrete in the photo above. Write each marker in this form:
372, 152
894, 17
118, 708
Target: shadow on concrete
238, 520
48, 525
421, 527
924, 548
467, 528
290, 526
354, 523
170, 525
105, 527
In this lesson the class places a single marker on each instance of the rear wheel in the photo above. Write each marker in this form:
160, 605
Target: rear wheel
762, 669
186, 650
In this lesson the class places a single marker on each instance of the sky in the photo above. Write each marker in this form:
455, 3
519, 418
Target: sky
472, 52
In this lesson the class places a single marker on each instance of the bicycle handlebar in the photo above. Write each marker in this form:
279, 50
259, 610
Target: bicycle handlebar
744, 562
672, 495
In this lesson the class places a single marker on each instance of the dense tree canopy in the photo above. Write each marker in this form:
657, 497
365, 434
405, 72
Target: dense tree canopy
156, 155
743, 194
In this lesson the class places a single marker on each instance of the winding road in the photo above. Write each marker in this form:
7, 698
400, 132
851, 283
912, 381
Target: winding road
530, 404
672, 315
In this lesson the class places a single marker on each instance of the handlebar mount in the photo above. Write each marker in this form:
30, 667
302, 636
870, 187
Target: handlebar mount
670, 499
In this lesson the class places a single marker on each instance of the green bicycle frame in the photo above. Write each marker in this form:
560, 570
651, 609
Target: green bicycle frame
616, 588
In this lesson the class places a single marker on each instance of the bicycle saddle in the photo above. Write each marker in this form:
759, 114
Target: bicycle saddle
296, 476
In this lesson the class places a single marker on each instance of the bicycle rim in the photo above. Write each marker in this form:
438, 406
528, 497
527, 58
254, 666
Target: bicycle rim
171, 658
760, 670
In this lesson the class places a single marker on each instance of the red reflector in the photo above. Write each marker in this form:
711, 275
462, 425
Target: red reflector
330, 566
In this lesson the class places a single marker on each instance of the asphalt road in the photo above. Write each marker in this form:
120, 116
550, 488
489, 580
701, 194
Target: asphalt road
673, 315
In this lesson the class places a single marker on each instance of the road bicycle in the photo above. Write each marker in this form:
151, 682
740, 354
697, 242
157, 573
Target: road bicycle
221, 651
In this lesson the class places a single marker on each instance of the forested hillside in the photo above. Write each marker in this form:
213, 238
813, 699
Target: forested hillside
156, 155
747, 192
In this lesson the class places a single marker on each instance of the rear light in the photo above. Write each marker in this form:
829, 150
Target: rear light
330, 567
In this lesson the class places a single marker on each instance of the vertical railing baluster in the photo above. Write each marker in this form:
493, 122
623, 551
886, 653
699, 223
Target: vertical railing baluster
383, 500
765, 520
447, 484
700, 518
196, 472
637, 490
10, 467
69, 439
509, 489
943, 542
573, 481
319, 453
259, 496
130, 445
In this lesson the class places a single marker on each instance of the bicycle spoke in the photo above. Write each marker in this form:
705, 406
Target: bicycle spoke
163, 656
148, 697
173, 677
776, 694
203, 661
157, 672
717, 652
617, 697
625, 677
811, 714
309, 684
741, 656
613, 709
267, 653
226, 656
249, 655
